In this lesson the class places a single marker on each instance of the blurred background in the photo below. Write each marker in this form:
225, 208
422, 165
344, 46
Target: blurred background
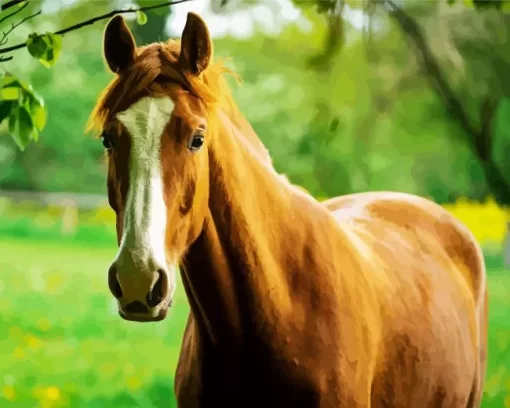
348, 96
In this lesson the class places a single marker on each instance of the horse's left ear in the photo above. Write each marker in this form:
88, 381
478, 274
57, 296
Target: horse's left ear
196, 45
119, 45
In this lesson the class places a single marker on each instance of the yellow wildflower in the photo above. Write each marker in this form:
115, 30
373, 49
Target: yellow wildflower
9, 393
53, 393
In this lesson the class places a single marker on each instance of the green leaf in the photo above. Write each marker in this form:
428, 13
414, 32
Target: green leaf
5, 109
8, 79
36, 45
451, 2
47, 58
34, 97
34, 135
39, 116
24, 107
141, 17
45, 47
21, 127
10, 93
55, 48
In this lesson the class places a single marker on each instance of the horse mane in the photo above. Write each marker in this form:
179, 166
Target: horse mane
154, 70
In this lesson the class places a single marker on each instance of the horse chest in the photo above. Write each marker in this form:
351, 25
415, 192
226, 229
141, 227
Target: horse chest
253, 379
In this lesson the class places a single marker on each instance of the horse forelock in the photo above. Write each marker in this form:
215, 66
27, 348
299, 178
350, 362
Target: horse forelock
154, 73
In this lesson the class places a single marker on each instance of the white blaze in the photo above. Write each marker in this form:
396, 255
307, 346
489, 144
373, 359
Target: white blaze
145, 210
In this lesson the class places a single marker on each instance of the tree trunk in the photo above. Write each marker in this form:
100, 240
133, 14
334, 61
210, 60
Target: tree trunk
496, 181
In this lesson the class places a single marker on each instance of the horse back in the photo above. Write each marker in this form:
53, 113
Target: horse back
415, 218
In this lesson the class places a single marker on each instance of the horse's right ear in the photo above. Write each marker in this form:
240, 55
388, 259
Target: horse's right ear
196, 45
119, 45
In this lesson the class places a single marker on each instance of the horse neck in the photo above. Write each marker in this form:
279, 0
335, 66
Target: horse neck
233, 273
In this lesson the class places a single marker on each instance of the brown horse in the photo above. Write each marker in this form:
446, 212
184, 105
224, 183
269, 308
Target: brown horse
368, 300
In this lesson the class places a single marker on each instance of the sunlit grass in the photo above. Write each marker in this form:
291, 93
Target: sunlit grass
61, 340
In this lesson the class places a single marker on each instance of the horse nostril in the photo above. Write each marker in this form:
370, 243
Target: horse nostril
113, 283
136, 307
158, 292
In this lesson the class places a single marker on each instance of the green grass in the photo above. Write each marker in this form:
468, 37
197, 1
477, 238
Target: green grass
63, 344
61, 340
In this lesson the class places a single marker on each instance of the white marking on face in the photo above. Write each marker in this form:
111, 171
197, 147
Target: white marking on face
145, 210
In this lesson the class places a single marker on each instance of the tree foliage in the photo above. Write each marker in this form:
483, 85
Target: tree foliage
356, 111
23, 108
44, 47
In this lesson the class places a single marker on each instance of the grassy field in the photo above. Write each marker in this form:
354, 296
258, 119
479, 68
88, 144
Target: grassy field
61, 340
62, 343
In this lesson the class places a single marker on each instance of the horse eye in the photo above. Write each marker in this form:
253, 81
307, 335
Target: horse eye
107, 141
196, 142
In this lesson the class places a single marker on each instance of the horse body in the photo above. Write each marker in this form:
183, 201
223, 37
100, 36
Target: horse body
367, 300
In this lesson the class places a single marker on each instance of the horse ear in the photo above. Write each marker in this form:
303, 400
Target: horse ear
196, 45
119, 45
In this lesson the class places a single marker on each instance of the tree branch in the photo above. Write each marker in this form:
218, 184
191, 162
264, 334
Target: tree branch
484, 138
5, 34
13, 13
333, 43
10, 4
96, 19
431, 68
480, 138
